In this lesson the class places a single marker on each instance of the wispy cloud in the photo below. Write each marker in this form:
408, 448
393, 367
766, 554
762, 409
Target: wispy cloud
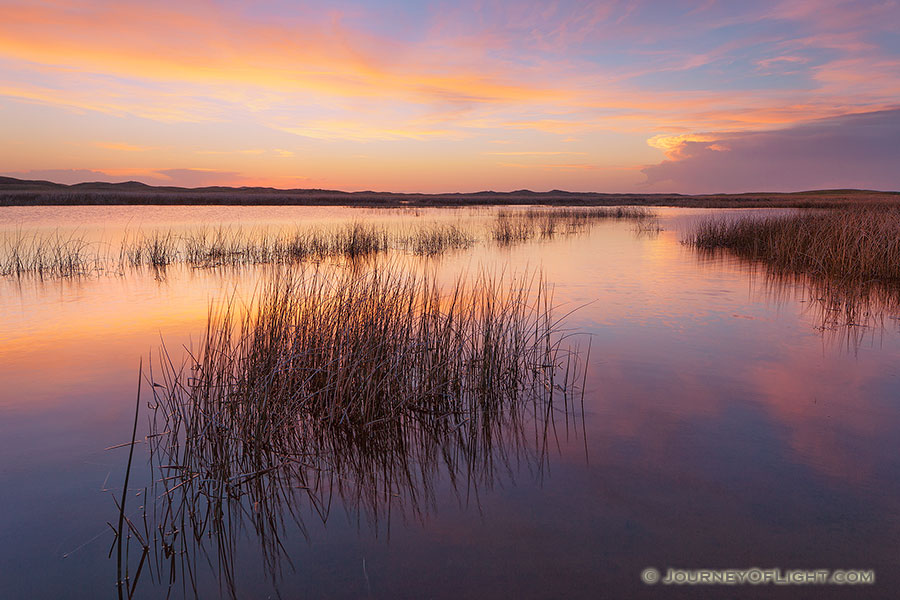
553, 166
324, 83
364, 131
534, 153
246, 152
123, 147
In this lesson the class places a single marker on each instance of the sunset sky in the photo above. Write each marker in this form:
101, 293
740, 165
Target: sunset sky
665, 96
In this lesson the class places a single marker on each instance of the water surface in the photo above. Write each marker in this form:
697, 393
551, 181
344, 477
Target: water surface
722, 427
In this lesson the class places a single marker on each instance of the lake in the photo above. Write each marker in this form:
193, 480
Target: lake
727, 420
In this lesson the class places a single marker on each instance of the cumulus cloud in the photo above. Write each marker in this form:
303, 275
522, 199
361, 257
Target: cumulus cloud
851, 151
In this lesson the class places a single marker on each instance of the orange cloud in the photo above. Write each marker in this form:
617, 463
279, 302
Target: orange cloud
673, 145
315, 83
533, 153
553, 166
161, 44
363, 131
123, 147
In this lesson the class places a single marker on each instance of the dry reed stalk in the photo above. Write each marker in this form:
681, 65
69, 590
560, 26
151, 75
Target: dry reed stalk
52, 255
515, 226
851, 244
205, 247
362, 385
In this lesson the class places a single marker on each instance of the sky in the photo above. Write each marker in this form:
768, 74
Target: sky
456, 96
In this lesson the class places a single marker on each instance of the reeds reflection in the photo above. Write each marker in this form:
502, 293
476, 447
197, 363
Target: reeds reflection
361, 388
843, 264
847, 312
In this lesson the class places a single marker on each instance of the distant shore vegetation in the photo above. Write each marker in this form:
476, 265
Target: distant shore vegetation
18, 192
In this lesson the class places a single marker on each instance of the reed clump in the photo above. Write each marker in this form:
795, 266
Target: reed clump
237, 246
48, 255
352, 351
516, 226
596, 213
364, 385
357, 240
208, 247
861, 244
158, 250
436, 240
844, 263
511, 228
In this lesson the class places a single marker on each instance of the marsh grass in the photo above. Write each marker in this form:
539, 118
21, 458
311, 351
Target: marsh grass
846, 262
48, 255
843, 244
363, 386
437, 239
209, 247
512, 226
631, 213
159, 250
55, 255
237, 246
231, 246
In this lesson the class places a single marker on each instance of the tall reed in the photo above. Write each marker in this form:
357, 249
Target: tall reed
858, 243
206, 247
48, 255
158, 250
436, 240
365, 385
520, 225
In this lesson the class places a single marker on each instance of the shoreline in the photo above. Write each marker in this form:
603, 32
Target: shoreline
80, 196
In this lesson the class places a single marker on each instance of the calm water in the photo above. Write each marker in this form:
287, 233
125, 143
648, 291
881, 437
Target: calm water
722, 428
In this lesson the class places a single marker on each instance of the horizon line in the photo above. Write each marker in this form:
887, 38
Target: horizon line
6, 180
